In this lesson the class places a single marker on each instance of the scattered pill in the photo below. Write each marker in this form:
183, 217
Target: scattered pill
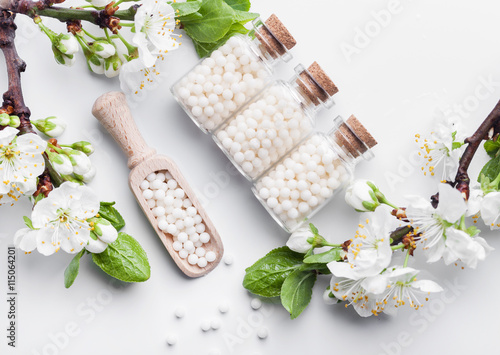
256, 303
171, 339
262, 333
205, 325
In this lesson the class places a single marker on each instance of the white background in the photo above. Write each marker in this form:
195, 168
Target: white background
428, 55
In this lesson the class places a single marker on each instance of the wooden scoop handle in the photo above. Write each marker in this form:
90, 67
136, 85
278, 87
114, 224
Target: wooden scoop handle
111, 109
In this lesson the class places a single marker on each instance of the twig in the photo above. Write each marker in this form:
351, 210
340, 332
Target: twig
462, 180
13, 98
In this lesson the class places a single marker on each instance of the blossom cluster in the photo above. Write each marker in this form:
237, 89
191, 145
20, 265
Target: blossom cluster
134, 56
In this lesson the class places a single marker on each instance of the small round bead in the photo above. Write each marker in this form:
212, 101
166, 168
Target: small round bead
205, 325
188, 245
262, 333
223, 307
182, 237
163, 225
193, 259
215, 323
228, 259
179, 193
204, 237
177, 245
147, 194
183, 253
210, 256
180, 312
171, 339
151, 177
202, 262
256, 303
144, 185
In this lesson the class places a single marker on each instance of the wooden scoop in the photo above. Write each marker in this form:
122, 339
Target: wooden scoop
112, 111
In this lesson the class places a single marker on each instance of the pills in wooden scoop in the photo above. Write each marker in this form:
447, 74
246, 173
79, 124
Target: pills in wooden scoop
177, 217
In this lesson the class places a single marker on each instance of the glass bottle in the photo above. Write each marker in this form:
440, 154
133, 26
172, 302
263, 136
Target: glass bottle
306, 178
222, 82
274, 121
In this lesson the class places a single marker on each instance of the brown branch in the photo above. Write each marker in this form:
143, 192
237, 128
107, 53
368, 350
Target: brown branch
462, 180
13, 101
13, 98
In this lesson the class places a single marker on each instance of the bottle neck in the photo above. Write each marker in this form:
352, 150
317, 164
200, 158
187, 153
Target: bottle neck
311, 94
267, 46
352, 146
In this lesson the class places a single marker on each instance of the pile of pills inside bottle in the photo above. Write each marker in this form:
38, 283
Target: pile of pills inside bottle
263, 132
218, 86
232, 74
298, 185
177, 217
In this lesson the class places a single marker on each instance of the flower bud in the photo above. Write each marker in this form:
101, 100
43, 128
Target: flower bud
299, 240
103, 49
14, 121
95, 64
61, 163
67, 44
84, 147
4, 119
95, 245
361, 195
51, 126
80, 161
112, 66
102, 234
88, 177
62, 58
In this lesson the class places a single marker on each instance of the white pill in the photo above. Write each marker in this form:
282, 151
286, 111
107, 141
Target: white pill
228, 259
272, 202
256, 303
147, 194
200, 228
177, 245
197, 219
223, 307
262, 333
179, 224
180, 312
205, 325
172, 228
151, 203
210, 256
163, 225
200, 252
179, 193
188, 245
151, 177
215, 323
171, 339
227, 94
220, 61
144, 185
202, 262
182, 237
159, 211
193, 259
205, 238
195, 237
159, 194
183, 253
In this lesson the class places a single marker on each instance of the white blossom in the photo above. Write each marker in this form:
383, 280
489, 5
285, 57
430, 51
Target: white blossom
490, 210
21, 162
461, 246
61, 221
432, 223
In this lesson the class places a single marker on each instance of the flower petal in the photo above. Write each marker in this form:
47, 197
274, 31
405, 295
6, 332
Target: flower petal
451, 203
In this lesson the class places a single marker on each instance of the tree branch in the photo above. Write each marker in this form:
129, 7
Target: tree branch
13, 98
462, 180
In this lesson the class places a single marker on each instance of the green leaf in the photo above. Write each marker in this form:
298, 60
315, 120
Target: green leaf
194, 17
204, 49
107, 211
456, 145
266, 276
124, 259
186, 8
313, 228
243, 17
216, 22
324, 258
491, 170
72, 270
492, 147
242, 5
28, 222
296, 291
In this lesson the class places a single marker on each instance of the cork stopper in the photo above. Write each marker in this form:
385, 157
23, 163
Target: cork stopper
354, 137
275, 37
316, 84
